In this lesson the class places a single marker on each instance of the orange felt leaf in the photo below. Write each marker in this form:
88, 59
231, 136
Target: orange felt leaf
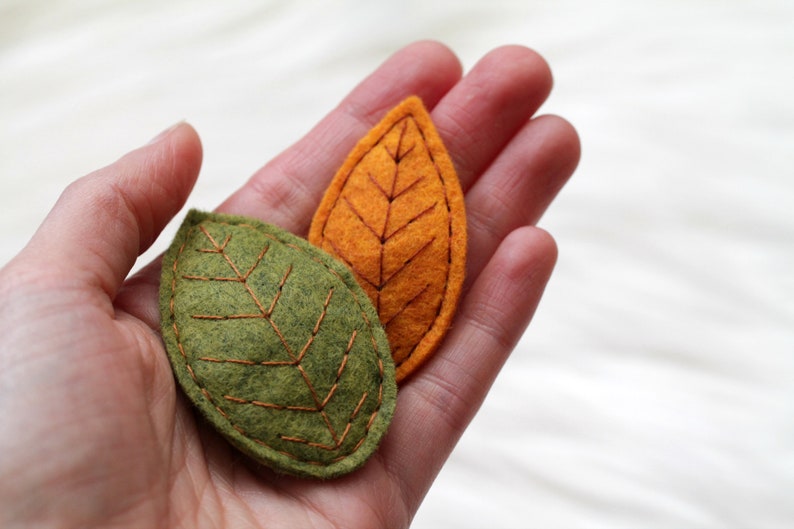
394, 214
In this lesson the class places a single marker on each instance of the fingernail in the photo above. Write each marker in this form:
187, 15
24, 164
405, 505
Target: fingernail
165, 133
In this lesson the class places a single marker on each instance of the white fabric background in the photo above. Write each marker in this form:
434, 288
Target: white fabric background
655, 387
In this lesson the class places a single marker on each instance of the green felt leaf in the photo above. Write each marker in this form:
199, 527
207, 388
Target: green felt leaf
276, 344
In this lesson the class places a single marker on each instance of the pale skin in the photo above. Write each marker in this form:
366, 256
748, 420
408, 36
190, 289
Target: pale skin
94, 432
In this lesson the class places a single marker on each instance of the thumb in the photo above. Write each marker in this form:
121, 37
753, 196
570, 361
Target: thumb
103, 221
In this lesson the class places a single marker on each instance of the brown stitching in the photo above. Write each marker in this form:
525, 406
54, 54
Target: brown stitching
398, 194
416, 217
341, 369
247, 362
358, 408
229, 317
363, 220
278, 292
382, 236
338, 253
202, 278
396, 156
405, 306
377, 184
221, 250
261, 404
218, 248
337, 442
408, 261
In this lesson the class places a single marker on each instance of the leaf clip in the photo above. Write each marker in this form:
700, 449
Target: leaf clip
394, 214
276, 344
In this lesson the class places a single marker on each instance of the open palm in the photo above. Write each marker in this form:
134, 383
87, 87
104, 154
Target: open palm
94, 431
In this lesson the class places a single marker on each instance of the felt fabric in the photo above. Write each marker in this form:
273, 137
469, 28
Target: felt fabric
276, 344
394, 214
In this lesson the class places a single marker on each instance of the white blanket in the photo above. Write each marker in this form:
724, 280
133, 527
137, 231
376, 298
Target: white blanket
657, 380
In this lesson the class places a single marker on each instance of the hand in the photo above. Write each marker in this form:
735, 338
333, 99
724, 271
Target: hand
94, 432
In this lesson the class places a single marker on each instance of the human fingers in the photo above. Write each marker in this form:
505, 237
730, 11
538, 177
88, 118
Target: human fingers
438, 403
519, 185
508, 266
481, 114
286, 191
476, 116
103, 221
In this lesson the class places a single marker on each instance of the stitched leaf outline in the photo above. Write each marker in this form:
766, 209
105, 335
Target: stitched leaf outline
276, 344
394, 214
